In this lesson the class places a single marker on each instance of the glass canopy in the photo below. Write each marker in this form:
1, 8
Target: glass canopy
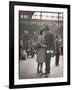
48, 16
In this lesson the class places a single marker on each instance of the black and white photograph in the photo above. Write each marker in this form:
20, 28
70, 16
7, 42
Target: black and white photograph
39, 45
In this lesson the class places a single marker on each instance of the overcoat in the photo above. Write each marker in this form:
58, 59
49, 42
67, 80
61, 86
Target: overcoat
41, 50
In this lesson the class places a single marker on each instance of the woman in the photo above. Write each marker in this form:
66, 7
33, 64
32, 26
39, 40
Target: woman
41, 49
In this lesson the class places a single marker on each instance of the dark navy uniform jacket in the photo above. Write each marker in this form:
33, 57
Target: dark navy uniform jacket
50, 41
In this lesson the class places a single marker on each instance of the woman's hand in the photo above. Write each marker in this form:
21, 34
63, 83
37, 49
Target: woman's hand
45, 46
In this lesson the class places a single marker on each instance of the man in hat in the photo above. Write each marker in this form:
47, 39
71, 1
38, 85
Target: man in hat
50, 48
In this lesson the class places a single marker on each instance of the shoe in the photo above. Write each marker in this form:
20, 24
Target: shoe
46, 72
47, 75
38, 71
57, 64
41, 73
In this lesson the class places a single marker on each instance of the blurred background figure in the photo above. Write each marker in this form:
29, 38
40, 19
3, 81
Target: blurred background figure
30, 49
24, 55
21, 49
57, 49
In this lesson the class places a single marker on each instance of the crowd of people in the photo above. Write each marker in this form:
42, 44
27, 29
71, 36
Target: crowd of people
46, 47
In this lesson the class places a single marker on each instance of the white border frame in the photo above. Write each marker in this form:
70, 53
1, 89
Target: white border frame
18, 81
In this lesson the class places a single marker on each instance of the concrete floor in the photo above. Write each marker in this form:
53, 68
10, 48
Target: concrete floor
28, 68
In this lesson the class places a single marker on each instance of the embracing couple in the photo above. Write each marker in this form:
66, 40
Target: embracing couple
45, 46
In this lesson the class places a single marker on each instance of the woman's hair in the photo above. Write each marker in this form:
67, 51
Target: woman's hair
46, 27
57, 36
41, 32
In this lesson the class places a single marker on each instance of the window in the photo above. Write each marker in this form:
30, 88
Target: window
24, 16
21, 16
48, 16
36, 15
60, 17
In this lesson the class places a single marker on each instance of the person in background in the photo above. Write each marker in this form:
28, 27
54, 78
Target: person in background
41, 48
21, 49
24, 55
57, 50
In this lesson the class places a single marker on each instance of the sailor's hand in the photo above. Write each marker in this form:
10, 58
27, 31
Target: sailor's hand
47, 51
51, 51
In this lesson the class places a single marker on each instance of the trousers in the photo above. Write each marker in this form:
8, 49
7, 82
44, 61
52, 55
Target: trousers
47, 62
57, 59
